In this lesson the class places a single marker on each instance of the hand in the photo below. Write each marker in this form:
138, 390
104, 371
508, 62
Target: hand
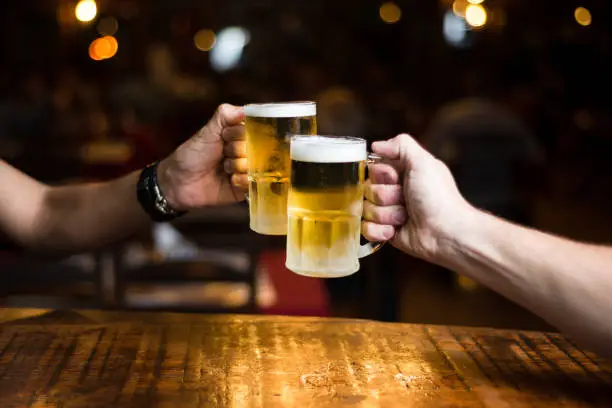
210, 168
412, 200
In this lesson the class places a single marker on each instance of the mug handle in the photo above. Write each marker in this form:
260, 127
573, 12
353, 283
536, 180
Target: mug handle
246, 195
370, 247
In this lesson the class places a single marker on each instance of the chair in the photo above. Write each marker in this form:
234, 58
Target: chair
206, 248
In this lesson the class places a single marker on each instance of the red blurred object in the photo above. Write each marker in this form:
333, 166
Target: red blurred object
295, 295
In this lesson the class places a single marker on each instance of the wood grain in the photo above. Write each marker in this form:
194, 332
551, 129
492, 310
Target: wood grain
114, 359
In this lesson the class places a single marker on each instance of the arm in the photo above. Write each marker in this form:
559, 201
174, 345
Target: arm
565, 282
81, 217
67, 218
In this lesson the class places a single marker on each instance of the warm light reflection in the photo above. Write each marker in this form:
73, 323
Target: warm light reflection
390, 13
475, 1
86, 10
103, 48
466, 284
108, 26
205, 40
459, 7
475, 15
106, 152
583, 16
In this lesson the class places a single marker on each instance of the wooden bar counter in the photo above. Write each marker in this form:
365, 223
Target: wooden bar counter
114, 359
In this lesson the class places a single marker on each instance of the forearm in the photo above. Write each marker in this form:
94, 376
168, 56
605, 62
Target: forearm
85, 216
567, 283
208, 169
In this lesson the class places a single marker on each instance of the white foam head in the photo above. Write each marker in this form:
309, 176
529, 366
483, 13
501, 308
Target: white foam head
328, 149
281, 110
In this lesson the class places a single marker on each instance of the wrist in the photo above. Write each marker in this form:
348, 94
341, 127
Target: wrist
456, 237
167, 185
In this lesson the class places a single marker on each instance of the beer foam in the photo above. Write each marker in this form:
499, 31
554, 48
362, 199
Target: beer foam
321, 149
281, 110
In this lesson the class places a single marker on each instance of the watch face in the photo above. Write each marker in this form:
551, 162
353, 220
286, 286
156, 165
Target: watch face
159, 206
162, 205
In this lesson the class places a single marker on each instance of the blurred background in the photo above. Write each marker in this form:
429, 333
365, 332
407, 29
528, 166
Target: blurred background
512, 95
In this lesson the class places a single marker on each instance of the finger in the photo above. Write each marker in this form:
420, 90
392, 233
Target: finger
241, 181
235, 165
225, 116
403, 148
390, 215
383, 173
384, 194
233, 133
235, 149
376, 232
229, 115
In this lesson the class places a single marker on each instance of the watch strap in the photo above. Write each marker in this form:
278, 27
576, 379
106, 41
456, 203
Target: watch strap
152, 199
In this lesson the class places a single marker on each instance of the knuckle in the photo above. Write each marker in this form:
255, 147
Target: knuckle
377, 195
368, 229
404, 138
379, 214
222, 108
385, 215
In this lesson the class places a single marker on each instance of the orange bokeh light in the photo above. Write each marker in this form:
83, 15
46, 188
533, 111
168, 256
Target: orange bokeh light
103, 48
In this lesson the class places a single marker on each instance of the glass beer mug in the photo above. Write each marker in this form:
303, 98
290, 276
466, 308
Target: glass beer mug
325, 206
268, 127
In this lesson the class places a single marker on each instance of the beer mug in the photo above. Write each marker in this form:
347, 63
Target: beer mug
325, 206
268, 129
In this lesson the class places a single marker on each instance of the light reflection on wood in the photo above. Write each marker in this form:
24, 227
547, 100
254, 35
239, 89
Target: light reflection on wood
167, 360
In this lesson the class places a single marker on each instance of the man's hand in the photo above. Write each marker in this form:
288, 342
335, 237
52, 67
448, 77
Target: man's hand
210, 168
412, 200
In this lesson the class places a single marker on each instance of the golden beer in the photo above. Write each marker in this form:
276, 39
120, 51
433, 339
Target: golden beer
268, 129
325, 206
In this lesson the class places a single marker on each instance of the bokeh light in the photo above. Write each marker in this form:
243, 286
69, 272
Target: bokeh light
205, 40
454, 29
227, 52
103, 48
108, 26
476, 15
583, 16
390, 13
86, 10
459, 7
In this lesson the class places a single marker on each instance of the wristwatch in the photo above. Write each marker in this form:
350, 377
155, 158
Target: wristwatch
152, 199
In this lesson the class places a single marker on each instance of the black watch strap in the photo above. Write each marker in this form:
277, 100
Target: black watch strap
152, 199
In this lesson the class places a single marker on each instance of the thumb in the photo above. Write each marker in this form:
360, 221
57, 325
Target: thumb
403, 149
226, 115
